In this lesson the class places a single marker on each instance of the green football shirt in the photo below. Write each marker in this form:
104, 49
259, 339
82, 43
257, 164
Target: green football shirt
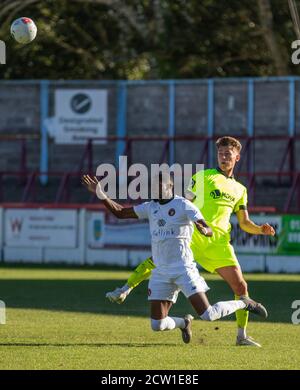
217, 197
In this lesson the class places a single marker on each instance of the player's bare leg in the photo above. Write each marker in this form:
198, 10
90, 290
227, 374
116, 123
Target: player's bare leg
160, 320
160, 309
234, 277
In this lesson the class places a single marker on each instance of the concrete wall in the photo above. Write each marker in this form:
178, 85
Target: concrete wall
19, 114
147, 114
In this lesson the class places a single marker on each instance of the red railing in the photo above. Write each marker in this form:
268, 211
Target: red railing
22, 152
293, 192
86, 164
295, 189
288, 155
64, 188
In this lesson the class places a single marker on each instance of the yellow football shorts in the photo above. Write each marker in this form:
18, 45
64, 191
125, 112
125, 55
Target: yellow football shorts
213, 252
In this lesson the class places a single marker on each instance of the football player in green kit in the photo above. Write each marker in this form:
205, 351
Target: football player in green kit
223, 196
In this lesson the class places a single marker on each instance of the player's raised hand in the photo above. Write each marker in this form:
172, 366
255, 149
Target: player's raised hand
267, 230
93, 185
90, 183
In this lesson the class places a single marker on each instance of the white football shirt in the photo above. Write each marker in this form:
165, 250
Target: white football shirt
171, 229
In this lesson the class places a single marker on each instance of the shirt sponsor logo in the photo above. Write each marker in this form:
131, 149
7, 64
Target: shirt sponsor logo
161, 222
217, 194
163, 234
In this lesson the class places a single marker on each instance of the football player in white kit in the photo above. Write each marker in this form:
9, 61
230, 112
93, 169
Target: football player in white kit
172, 220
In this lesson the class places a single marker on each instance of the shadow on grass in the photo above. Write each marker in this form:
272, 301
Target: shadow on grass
88, 296
95, 345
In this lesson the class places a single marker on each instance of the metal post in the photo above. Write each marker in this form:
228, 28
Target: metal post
291, 107
210, 118
90, 156
250, 126
171, 129
1, 193
23, 167
23, 163
44, 108
292, 131
121, 119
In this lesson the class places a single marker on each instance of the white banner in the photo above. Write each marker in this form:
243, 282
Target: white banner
249, 243
133, 234
95, 229
79, 115
121, 234
40, 228
138, 234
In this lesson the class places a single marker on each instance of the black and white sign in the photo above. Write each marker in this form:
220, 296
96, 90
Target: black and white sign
252, 243
40, 228
80, 115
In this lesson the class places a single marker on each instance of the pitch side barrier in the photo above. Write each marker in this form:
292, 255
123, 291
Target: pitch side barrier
85, 234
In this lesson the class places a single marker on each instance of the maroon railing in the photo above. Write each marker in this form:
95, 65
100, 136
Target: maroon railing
246, 167
64, 188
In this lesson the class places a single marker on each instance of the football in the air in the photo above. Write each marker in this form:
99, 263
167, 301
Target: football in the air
23, 30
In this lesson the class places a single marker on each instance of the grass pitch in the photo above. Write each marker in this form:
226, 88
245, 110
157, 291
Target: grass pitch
58, 318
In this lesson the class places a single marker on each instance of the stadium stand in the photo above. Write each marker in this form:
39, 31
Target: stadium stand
155, 122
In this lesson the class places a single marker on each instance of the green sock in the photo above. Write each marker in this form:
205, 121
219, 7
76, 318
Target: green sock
241, 319
142, 272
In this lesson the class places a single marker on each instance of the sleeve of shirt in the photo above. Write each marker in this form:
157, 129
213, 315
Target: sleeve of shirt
242, 202
191, 211
142, 210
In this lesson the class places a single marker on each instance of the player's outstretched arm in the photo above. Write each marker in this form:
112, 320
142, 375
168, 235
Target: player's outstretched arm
94, 186
250, 227
203, 228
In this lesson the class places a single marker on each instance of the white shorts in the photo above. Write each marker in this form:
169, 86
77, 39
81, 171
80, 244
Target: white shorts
165, 287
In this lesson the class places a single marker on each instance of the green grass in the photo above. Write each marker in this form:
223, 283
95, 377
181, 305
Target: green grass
59, 319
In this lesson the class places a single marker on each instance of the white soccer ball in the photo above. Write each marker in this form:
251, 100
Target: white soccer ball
23, 30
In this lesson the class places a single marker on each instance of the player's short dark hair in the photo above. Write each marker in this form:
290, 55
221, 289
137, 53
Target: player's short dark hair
229, 141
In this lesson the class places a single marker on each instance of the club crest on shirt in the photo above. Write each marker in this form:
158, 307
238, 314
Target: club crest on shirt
171, 212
